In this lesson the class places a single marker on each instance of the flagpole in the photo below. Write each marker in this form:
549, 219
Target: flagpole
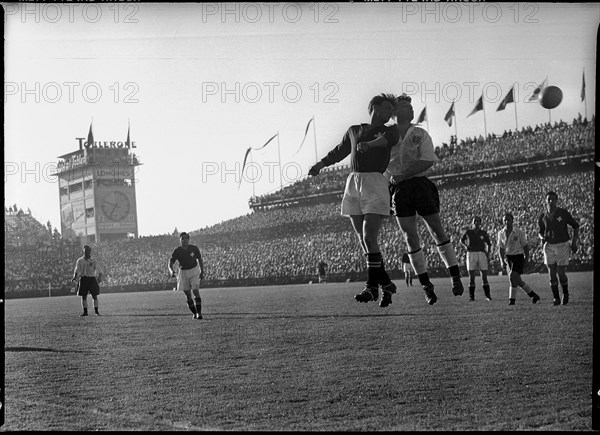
252, 161
315, 136
516, 122
583, 94
279, 155
427, 118
455, 123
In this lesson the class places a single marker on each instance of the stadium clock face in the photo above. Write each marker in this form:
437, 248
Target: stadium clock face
115, 206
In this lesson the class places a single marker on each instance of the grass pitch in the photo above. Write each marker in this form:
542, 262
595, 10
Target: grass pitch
303, 357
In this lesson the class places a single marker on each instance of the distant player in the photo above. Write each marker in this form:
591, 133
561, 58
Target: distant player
86, 269
191, 272
514, 253
366, 196
477, 243
555, 237
322, 271
407, 268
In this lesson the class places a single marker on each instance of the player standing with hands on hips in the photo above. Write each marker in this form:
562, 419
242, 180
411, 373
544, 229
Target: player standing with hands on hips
85, 269
555, 237
366, 196
191, 271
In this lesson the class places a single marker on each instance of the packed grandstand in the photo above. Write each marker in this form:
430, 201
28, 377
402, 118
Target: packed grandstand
287, 232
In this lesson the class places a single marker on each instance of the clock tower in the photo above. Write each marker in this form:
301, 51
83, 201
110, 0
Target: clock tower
97, 191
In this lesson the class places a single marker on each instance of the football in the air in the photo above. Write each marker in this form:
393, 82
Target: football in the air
550, 97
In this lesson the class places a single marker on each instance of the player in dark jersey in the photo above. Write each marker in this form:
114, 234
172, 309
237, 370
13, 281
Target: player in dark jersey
557, 242
366, 196
191, 272
477, 243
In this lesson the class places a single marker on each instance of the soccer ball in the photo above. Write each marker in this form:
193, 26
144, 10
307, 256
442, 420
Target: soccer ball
550, 97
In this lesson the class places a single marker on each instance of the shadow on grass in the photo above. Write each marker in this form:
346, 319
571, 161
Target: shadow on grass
39, 349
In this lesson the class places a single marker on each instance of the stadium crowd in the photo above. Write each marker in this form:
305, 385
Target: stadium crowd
288, 241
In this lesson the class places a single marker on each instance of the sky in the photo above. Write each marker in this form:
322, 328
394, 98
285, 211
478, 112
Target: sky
200, 83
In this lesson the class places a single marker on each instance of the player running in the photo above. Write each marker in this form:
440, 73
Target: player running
514, 253
366, 196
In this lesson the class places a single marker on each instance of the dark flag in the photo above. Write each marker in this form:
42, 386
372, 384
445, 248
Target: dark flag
422, 116
508, 99
583, 88
478, 106
90, 139
450, 114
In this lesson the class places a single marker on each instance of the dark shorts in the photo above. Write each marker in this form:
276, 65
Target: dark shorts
415, 195
88, 284
515, 263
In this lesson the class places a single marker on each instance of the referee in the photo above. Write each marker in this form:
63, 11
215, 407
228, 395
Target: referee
85, 269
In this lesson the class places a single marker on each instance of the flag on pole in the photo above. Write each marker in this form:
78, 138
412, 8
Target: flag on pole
508, 99
90, 139
536, 91
478, 106
423, 115
583, 88
248, 152
449, 115
128, 143
305, 133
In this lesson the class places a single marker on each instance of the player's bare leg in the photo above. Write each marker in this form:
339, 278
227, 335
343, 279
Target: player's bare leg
486, 285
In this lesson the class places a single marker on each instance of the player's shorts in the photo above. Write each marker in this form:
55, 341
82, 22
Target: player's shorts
515, 263
477, 260
407, 267
415, 195
557, 253
88, 284
366, 192
188, 279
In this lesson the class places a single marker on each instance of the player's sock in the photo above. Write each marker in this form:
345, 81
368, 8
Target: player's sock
384, 278
555, 294
527, 289
418, 262
191, 306
373, 269
486, 290
472, 291
198, 302
446, 251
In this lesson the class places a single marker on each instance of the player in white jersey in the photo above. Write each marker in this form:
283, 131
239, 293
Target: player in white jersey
413, 194
86, 269
513, 250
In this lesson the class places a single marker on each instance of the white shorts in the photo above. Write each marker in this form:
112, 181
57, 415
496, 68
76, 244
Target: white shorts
366, 192
188, 279
407, 267
557, 253
477, 261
